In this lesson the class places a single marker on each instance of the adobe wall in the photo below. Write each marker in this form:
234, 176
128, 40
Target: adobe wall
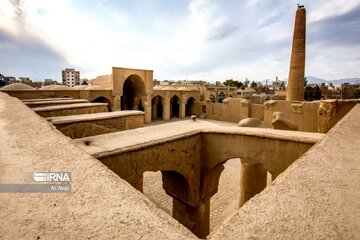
76, 94
80, 129
72, 109
315, 116
303, 114
234, 110
35, 104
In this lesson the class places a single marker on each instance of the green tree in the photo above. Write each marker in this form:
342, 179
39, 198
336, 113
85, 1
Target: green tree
312, 93
357, 93
253, 84
231, 83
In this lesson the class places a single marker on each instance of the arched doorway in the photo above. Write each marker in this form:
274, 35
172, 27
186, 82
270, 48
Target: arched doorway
212, 98
221, 97
133, 91
174, 106
103, 100
157, 107
190, 107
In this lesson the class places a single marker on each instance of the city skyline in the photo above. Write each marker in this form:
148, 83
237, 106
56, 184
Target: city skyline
199, 39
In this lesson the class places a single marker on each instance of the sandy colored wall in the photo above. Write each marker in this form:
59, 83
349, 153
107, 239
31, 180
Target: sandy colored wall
76, 94
257, 111
303, 114
73, 111
97, 127
231, 110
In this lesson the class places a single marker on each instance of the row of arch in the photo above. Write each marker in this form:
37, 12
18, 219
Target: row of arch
158, 105
220, 98
133, 95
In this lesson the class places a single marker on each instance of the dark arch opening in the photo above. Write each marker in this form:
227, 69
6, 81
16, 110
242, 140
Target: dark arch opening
103, 100
176, 182
212, 98
157, 186
221, 97
157, 107
133, 91
175, 106
190, 107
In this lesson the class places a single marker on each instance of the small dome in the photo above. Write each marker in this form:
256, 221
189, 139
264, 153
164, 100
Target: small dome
17, 86
94, 88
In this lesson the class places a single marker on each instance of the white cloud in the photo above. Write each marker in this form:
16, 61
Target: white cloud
210, 40
330, 8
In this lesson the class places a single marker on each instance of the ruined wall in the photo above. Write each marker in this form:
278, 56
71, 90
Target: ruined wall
303, 114
234, 110
76, 94
102, 126
315, 116
331, 111
257, 111
72, 111
54, 103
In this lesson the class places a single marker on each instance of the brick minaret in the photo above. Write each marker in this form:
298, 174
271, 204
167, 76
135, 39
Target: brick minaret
295, 89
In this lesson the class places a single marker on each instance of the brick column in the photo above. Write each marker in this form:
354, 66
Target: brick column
295, 88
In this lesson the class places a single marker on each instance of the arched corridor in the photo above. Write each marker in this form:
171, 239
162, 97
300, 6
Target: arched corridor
190, 107
157, 104
175, 107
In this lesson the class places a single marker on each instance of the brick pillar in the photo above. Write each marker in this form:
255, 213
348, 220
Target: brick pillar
182, 109
116, 104
295, 88
196, 219
253, 179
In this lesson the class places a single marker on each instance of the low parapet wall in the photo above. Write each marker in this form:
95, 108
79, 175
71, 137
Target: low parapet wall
71, 109
35, 104
315, 116
85, 125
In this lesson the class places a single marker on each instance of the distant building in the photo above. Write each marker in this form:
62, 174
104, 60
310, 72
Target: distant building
70, 77
278, 85
9, 80
25, 80
50, 82
193, 82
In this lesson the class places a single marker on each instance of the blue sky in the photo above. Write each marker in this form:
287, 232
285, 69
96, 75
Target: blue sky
211, 40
